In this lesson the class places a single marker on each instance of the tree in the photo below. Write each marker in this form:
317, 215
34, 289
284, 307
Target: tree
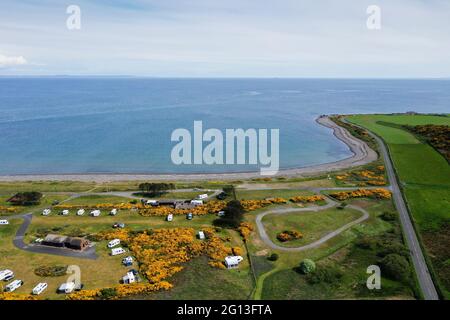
395, 266
155, 188
307, 266
26, 198
234, 214
230, 190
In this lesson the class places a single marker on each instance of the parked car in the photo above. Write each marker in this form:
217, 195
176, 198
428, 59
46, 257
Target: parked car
189, 216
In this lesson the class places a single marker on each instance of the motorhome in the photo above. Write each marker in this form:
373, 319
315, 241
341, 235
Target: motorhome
170, 217
80, 212
65, 212
67, 287
152, 202
117, 251
4, 222
201, 235
232, 262
95, 213
113, 212
202, 196
13, 285
127, 261
40, 288
113, 243
129, 278
46, 212
197, 202
6, 275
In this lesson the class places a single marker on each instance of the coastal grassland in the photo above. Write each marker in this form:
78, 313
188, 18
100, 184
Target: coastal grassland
242, 194
424, 176
174, 195
340, 256
44, 186
46, 201
312, 225
104, 271
94, 199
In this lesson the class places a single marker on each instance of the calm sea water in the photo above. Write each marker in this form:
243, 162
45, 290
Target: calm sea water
123, 125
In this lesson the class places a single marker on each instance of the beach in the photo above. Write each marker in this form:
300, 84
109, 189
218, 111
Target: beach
361, 154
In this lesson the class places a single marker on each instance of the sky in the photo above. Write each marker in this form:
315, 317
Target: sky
227, 38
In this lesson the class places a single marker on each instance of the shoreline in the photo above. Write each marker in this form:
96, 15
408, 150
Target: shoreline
362, 154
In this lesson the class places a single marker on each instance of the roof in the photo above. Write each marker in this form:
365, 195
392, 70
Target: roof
232, 260
55, 238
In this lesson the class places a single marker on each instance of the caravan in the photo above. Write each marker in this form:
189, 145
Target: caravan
113, 243
4, 222
65, 212
202, 196
80, 212
170, 217
46, 212
6, 275
113, 212
40, 288
13, 285
117, 251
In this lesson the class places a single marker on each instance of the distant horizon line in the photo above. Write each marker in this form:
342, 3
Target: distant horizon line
221, 77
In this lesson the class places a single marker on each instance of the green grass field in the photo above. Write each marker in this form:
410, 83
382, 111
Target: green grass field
242, 194
313, 225
425, 179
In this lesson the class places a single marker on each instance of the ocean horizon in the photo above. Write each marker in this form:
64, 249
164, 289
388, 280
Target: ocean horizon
85, 125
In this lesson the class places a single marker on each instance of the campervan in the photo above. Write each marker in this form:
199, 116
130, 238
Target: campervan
4, 222
80, 212
170, 217
46, 212
113, 212
95, 213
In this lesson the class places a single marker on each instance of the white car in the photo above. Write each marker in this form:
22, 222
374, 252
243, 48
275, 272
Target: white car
13, 285
80, 212
4, 222
117, 251
40, 288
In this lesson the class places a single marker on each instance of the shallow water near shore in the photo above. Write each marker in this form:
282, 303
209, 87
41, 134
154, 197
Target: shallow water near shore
123, 125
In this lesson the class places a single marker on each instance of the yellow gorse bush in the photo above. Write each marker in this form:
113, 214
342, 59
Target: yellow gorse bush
378, 193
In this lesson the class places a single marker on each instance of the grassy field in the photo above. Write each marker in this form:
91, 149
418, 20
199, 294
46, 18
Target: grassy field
271, 193
425, 178
95, 199
313, 225
280, 280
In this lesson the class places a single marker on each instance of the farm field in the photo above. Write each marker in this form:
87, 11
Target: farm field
425, 179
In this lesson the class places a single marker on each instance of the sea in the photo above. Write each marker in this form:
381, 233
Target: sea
82, 125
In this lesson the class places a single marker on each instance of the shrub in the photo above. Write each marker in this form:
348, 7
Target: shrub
328, 275
51, 271
386, 248
307, 266
107, 293
289, 235
134, 201
26, 198
273, 257
389, 216
395, 267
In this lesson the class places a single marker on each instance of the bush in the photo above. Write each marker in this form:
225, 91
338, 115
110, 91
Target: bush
108, 293
395, 267
26, 198
134, 201
307, 266
389, 216
51, 271
273, 257
328, 275
386, 248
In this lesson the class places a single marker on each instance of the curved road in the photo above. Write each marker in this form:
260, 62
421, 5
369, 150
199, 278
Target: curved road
330, 203
420, 266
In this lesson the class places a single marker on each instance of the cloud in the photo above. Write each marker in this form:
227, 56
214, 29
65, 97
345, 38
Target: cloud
9, 61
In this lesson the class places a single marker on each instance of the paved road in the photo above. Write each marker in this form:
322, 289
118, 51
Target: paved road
423, 275
88, 253
330, 203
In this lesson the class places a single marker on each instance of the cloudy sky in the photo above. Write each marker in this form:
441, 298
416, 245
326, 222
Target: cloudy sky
226, 38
